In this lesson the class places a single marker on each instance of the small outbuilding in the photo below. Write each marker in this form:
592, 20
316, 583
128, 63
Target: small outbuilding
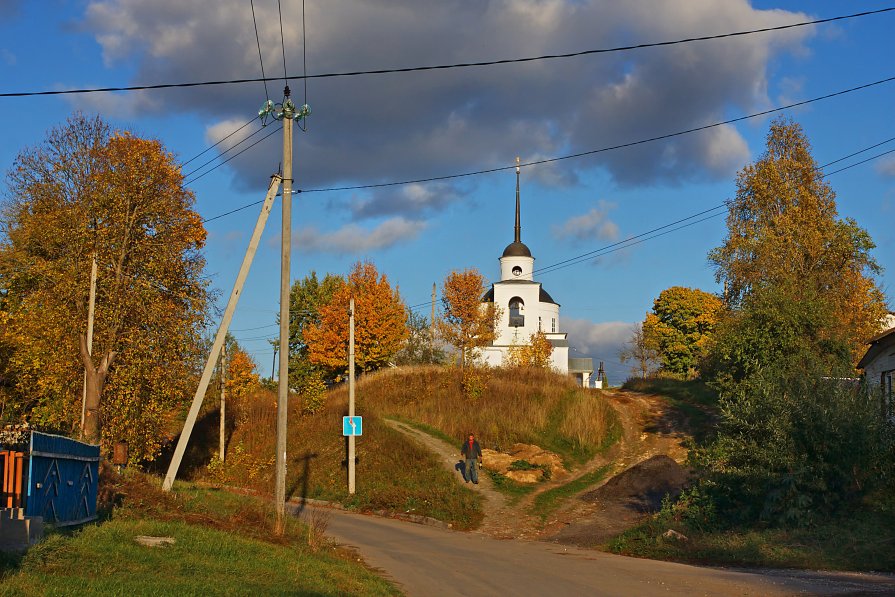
878, 364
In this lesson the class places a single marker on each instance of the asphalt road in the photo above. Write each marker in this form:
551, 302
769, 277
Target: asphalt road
430, 561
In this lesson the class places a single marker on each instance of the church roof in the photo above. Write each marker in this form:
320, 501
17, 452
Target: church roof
543, 295
516, 249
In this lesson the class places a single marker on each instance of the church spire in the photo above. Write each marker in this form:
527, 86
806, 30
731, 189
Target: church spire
518, 230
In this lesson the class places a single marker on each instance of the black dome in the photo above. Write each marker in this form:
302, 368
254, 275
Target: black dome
517, 249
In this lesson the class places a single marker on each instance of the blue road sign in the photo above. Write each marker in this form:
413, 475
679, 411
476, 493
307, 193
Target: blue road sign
352, 426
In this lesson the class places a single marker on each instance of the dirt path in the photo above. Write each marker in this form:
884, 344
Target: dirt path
501, 520
649, 428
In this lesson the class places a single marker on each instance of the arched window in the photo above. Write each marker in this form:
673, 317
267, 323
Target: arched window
517, 318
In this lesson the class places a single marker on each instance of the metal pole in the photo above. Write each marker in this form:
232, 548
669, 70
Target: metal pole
432, 322
351, 438
223, 433
91, 310
221, 334
285, 254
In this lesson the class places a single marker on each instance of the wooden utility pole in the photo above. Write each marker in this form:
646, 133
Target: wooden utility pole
223, 433
91, 311
351, 438
221, 334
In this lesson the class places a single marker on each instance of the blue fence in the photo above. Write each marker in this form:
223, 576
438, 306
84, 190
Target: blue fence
63, 476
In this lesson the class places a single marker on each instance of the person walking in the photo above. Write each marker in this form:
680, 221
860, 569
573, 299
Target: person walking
472, 452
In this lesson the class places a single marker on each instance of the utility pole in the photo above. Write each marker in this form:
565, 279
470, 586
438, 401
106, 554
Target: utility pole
432, 323
91, 310
221, 335
223, 398
351, 438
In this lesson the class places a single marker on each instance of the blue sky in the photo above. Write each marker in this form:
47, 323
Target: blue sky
376, 129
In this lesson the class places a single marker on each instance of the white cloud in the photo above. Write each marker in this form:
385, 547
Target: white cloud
601, 341
355, 239
886, 167
593, 224
403, 126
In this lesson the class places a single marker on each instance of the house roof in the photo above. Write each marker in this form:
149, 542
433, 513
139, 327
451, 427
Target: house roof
877, 344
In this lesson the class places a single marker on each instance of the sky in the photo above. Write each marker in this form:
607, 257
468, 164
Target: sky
375, 129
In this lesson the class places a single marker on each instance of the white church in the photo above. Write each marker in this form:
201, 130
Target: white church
527, 308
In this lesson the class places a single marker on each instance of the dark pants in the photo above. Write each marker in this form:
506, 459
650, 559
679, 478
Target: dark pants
471, 472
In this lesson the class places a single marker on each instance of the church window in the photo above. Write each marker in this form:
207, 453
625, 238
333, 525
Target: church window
517, 318
553, 325
539, 323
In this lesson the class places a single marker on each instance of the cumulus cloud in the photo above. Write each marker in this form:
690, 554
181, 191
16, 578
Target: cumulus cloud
352, 238
602, 342
593, 224
411, 200
402, 126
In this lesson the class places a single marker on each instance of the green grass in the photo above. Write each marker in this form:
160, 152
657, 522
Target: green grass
224, 546
511, 489
547, 502
862, 540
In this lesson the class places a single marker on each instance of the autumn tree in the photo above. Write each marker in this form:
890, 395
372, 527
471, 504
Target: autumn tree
535, 353
421, 346
467, 322
680, 326
242, 376
641, 352
784, 234
306, 297
89, 192
380, 323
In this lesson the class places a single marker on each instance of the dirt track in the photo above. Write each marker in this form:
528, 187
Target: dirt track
649, 429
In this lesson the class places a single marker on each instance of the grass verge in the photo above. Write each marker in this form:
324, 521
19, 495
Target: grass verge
511, 489
861, 540
547, 502
223, 545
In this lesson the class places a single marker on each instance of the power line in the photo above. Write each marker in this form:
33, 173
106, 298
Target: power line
229, 149
458, 65
210, 170
574, 155
260, 58
207, 149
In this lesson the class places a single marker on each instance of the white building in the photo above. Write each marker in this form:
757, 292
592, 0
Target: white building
527, 308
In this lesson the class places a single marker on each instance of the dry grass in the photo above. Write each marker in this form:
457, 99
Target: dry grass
518, 405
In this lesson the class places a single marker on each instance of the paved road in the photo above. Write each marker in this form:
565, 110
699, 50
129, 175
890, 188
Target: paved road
429, 561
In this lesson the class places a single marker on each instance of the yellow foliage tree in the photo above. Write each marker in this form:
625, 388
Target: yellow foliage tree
88, 192
536, 353
680, 327
467, 323
242, 377
784, 235
380, 323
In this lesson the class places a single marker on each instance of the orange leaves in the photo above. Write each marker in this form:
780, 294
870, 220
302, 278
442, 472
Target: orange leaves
467, 323
241, 375
380, 325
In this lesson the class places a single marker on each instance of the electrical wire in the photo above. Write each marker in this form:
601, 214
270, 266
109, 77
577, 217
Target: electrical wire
283, 43
454, 65
260, 59
570, 156
209, 171
223, 153
207, 149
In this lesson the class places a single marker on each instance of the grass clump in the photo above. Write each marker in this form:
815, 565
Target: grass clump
547, 502
513, 490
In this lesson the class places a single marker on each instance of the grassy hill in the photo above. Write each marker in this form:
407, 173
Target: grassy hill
395, 474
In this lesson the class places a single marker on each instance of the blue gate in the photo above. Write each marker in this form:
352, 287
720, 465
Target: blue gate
63, 476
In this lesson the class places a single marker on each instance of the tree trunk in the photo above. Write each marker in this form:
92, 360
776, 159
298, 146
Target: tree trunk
96, 381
